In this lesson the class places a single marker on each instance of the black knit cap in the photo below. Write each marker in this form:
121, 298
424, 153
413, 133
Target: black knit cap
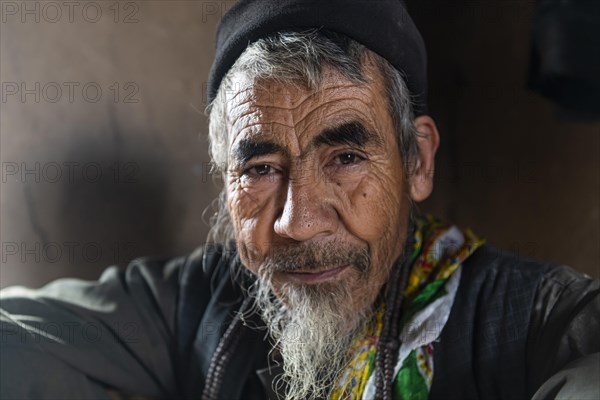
383, 26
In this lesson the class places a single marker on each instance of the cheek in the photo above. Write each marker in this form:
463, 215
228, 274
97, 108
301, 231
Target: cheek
251, 215
372, 205
375, 216
241, 202
244, 206
375, 211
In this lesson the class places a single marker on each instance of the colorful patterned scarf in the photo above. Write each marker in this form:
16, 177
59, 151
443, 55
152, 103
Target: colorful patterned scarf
436, 260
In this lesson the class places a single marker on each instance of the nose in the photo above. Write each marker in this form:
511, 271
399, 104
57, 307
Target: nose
307, 213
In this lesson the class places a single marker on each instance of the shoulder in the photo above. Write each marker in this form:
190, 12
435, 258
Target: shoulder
499, 283
208, 266
496, 285
503, 302
490, 263
498, 278
539, 286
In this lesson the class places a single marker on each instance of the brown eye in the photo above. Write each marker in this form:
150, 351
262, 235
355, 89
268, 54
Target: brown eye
260, 171
263, 169
347, 158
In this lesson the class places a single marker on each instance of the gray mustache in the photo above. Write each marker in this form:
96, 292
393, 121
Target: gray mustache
309, 257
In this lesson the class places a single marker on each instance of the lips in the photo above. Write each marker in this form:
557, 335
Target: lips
312, 277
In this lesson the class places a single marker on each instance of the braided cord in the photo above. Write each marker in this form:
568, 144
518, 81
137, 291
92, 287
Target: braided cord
389, 340
223, 354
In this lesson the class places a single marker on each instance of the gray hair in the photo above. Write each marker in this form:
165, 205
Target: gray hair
298, 58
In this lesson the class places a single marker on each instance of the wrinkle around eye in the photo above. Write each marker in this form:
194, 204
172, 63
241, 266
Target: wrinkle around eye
260, 173
343, 173
346, 159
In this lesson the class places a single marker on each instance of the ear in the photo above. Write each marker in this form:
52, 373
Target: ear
421, 180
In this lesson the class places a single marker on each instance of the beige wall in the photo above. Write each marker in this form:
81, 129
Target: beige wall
509, 167
154, 131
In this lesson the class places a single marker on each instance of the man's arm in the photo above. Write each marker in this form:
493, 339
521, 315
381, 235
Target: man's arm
75, 339
563, 343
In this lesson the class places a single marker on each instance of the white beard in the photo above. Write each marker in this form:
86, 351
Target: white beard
313, 332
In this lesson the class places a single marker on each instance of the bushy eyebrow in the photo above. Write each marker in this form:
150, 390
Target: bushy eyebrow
247, 149
350, 133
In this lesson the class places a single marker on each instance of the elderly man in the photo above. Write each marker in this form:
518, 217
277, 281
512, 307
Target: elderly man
327, 282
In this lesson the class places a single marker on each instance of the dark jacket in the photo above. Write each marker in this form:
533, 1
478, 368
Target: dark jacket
152, 330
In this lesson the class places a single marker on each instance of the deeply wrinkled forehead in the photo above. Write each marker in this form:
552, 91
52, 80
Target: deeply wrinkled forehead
258, 106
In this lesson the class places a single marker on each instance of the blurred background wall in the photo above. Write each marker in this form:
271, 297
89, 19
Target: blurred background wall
103, 137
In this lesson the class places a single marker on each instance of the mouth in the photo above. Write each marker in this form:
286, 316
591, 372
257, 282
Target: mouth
313, 277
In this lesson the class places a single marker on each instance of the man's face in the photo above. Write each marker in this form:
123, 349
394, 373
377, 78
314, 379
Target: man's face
315, 185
